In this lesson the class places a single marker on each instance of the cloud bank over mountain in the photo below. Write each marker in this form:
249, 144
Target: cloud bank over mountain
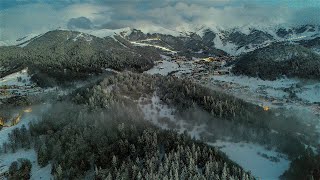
21, 17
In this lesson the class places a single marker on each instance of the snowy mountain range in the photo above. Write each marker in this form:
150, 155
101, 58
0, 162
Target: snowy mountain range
234, 41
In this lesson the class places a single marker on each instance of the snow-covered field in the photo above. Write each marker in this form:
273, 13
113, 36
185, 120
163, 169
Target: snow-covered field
261, 92
244, 85
168, 66
19, 84
164, 68
310, 93
275, 94
12, 79
7, 159
22, 41
37, 172
25, 120
250, 157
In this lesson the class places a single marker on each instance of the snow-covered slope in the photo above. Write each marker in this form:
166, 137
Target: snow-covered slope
234, 41
6, 159
108, 32
22, 41
245, 39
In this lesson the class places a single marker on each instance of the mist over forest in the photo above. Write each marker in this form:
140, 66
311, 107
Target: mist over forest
101, 96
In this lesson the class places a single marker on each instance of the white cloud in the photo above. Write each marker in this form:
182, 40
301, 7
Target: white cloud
20, 20
38, 18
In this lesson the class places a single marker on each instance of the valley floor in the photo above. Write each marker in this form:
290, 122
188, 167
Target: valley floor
291, 94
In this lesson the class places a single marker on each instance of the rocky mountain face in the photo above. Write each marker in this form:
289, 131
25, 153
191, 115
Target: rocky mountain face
280, 59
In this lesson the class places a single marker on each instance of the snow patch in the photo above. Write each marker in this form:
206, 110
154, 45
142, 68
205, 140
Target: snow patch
167, 66
250, 157
37, 172
6, 159
164, 68
164, 117
12, 79
87, 37
310, 93
158, 29
22, 42
156, 46
155, 110
102, 33
255, 83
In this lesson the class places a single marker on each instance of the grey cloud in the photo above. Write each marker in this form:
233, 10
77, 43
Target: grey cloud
309, 15
113, 25
80, 22
144, 14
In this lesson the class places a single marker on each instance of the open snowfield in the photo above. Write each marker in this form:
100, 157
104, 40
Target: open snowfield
310, 93
25, 120
7, 159
19, 84
249, 156
37, 172
168, 66
12, 79
252, 87
275, 94
164, 68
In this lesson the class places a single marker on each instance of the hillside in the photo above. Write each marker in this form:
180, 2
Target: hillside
65, 55
279, 59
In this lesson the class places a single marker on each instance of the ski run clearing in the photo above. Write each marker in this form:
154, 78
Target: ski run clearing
156, 46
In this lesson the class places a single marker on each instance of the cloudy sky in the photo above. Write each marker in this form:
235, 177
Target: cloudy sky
20, 17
